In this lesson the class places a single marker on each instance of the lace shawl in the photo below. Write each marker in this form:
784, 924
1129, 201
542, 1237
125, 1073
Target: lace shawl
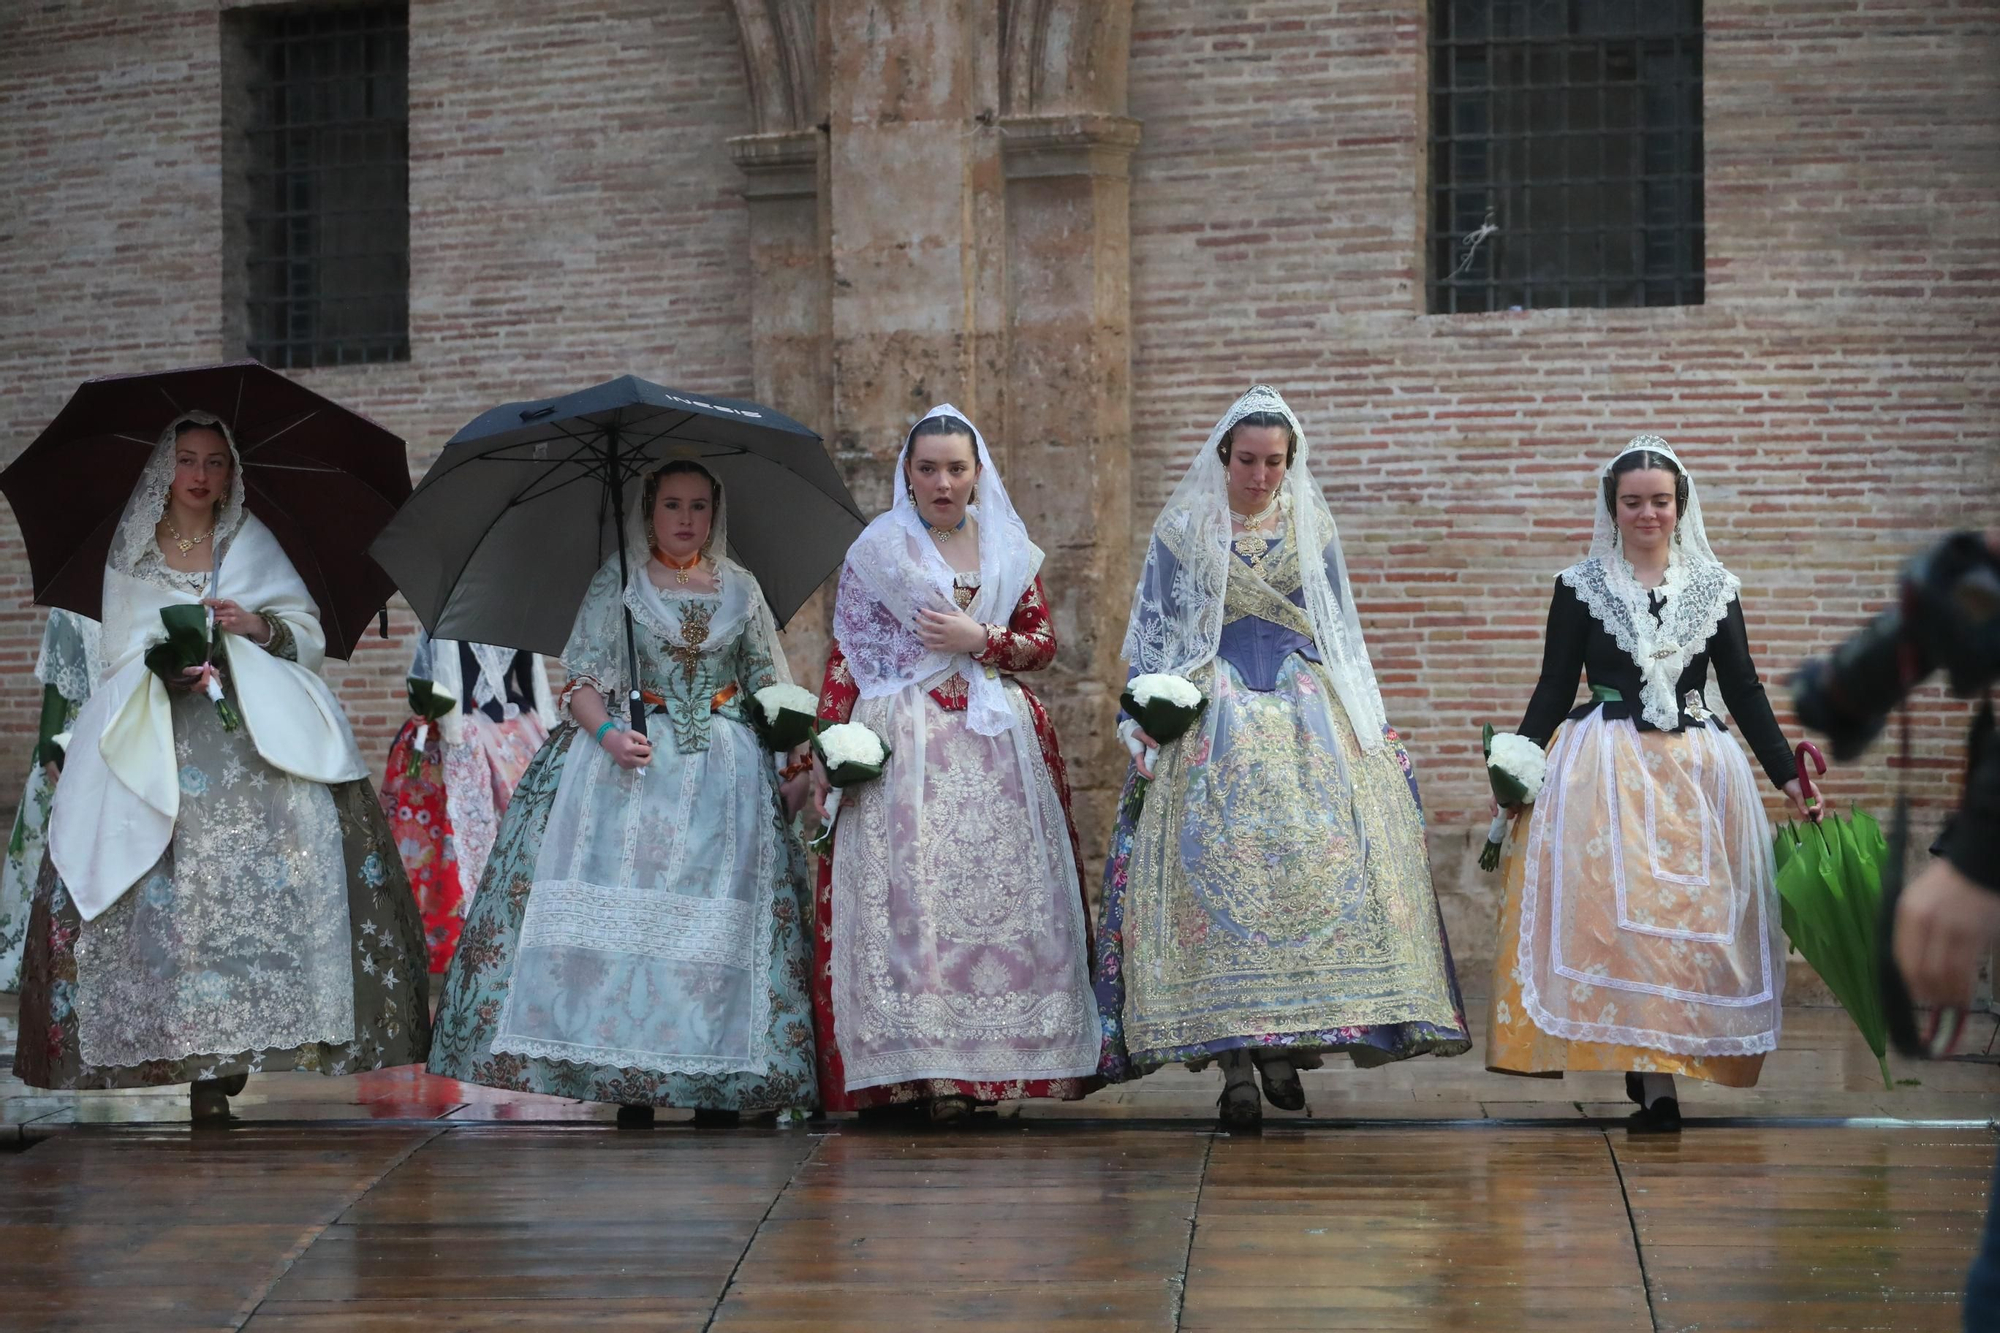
1696, 592
894, 570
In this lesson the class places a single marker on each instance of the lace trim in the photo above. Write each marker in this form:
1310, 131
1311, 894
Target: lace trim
617, 1057
1549, 810
668, 926
1696, 600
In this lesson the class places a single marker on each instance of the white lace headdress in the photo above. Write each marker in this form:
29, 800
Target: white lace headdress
136, 534
893, 570
596, 648
1697, 592
1177, 609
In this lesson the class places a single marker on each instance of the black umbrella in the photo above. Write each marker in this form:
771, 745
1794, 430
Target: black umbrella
324, 479
500, 540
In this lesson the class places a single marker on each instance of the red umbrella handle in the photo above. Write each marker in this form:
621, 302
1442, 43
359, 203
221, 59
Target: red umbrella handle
1810, 760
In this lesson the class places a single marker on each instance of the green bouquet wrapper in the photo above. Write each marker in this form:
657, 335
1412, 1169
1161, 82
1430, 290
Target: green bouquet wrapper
430, 703
1164, 721
782, 733
189, 643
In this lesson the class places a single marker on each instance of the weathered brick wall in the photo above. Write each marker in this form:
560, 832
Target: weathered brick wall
574, 215
1838, 397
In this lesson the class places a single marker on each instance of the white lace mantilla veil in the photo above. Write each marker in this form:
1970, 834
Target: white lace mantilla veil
1697, 592
137, 526
893, 570
596, 648
1177, 608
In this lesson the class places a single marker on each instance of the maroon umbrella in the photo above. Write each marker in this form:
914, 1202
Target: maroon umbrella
324, 479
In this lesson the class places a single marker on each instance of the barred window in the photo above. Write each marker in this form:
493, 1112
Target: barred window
326, 223
1566, 154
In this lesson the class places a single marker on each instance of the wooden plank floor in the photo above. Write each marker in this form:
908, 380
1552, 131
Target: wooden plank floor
1004, 1227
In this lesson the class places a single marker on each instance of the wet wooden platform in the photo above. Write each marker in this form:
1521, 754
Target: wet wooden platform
1003, 1226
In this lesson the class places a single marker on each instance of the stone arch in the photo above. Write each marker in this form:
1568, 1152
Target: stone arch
1064, 57
780, 44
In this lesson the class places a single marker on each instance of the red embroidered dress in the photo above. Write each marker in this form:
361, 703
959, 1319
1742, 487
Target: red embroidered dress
1027, 643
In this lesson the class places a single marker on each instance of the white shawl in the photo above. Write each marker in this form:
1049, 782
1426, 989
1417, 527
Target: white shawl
115, 807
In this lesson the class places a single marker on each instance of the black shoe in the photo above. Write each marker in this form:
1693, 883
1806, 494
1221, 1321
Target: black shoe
234, 1084
207, 1103
1239, 1109
1635, 1090
633, 1114
1282, 1087
1662, 1117
708, 1118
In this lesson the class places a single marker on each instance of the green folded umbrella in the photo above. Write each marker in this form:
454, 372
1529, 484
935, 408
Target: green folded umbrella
1830, 890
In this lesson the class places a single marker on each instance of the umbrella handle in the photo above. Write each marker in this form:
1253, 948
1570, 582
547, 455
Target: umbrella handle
1810, 760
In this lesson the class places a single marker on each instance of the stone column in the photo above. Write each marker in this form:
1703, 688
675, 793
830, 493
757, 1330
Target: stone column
784, 165
916, 218
953, 226
1070, 418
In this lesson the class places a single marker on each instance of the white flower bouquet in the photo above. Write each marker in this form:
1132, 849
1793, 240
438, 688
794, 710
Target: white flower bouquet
1515, 768
430, 702
851, 755
1164, 706
783, 716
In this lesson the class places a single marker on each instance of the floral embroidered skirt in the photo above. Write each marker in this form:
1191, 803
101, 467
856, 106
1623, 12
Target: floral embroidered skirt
21, 866
279, 914
1643, 878
1270, 889
483, 971
447, 813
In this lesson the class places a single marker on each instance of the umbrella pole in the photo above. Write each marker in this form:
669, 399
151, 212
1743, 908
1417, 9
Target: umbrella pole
637, 705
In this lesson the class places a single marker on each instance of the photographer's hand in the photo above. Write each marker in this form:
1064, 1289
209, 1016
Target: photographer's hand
1944, 922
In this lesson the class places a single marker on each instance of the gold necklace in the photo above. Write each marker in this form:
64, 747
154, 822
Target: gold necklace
682, 573
946, 534
185, 544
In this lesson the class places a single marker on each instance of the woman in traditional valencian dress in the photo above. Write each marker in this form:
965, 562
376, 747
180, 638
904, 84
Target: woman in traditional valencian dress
445, 802
1268, 898
65, 668
218, 899
640, 934
953, 948
1639, 924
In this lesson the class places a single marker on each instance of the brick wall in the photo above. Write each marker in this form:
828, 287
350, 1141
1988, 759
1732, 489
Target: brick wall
1837, 398
574, 215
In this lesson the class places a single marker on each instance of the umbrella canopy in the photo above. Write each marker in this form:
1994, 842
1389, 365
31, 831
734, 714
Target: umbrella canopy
1830, 895
323, 478
500, 539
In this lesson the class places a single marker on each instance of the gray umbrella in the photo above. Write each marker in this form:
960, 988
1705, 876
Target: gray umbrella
500, 540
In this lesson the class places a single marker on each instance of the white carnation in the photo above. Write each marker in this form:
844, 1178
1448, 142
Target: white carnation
1176, 690
776, 699
1520, 759
851, 743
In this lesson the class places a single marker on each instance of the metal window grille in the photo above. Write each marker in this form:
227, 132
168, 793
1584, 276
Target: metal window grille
1571, 128
328, 224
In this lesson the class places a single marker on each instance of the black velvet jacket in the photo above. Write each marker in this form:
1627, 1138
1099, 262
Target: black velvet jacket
1576, 643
